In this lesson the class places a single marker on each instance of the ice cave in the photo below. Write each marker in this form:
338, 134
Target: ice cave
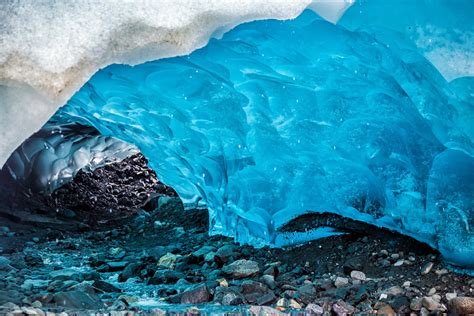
363, 110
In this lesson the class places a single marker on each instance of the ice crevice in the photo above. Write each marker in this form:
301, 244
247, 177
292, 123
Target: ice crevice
280, 118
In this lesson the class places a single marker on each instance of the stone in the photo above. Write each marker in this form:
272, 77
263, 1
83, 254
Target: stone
307, 293
342, 308
231, 298
426, 267
341, 282
269, 280
384, 309
265, 311
241, 268
416, 304
168, 261
358, 275
462, 305
196, 295
66, 274
5, 264
130, 271
266, 299
166, 277
224, 253
450, 296
432, 305
78, 299
105, 287
394, 290
313, 309
29, 284
399, 263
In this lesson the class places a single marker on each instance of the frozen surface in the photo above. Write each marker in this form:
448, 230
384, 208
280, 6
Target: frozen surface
442, 30
53, 156
49, 49
281, 118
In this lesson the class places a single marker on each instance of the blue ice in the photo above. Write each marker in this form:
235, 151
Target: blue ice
281, 118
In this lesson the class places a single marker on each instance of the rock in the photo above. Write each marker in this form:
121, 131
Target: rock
462, 305
224, 253
416, 303
78, 299
29, 284
197, 295
269, 280
66, 274
426, 267
265, 311
385, 309
307, 293
266, 299
399, 263
394, 290
201, 253
166, 277
450, 296
168, 261
342, 308
130, 271
5, 264
313, 309
241, 269
358, 275
106, 287
432, 305
341, 282
231, 298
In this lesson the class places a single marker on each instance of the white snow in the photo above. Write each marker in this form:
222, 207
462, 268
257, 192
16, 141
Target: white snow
48, 49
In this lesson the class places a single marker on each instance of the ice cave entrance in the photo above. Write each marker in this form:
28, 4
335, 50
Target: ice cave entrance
281, 118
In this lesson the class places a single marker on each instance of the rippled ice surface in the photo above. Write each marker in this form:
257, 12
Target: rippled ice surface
277, 119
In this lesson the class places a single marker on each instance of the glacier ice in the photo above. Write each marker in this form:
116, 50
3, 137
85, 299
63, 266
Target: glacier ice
282, 118
48, 49
53, 156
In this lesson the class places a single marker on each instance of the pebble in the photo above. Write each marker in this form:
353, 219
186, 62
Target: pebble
358, 275
341, 282
399, 263
426, 267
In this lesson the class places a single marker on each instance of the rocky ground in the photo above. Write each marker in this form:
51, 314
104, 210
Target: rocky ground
157, 261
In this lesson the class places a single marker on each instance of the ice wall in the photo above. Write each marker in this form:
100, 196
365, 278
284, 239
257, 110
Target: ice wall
49, 49
52, 157
281, 118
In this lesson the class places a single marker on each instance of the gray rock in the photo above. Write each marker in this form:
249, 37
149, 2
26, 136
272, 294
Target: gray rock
66, 274
269, 280
224, 253
5, 264
358, 275
166, 277
342, 308
231, 298
265, 311
103, 286
130, 271
341, 282
78, 299
241, 269
313, 309
426, 267
307, 293
196, 295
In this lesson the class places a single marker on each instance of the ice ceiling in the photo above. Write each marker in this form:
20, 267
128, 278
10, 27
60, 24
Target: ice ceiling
279, 118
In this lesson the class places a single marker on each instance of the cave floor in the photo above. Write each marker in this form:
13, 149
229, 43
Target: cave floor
161, 261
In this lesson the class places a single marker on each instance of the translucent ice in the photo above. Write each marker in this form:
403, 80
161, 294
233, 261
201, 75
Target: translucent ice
49, 49
278, 119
